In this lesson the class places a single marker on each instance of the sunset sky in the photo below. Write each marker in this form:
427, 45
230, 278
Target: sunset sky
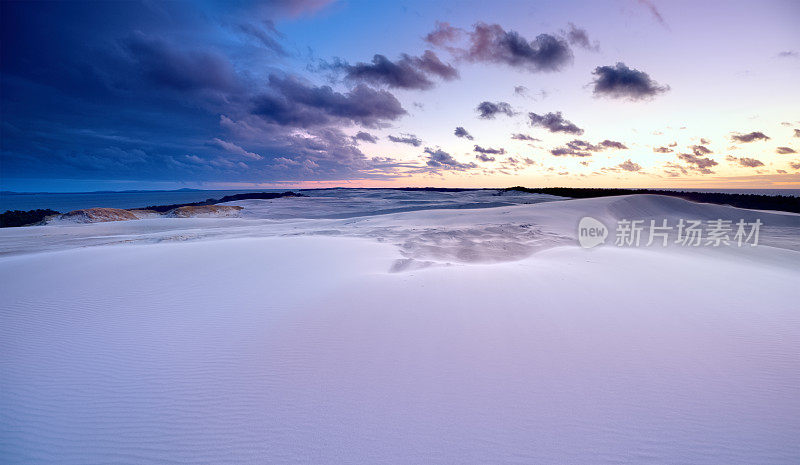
626, 93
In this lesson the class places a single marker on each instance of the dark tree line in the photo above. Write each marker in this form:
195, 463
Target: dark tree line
227, 198
14, 218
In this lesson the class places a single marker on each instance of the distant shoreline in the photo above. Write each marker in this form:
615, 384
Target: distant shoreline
772, 202
755, 191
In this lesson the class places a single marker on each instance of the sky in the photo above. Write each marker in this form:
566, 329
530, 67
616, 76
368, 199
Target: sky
324, 93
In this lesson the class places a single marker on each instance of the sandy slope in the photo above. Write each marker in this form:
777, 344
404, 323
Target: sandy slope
301, 347
459, 233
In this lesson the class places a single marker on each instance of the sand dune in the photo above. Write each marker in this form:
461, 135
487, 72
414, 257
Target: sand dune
513, 231
104, 215
96, 215
429, 336
205, 211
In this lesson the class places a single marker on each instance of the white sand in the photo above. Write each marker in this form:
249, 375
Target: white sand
437, 336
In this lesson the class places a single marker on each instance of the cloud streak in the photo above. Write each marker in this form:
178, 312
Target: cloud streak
749, 137
490, 43
654, 11
745, 161
630, 166
409, 139
525, 137
489, 150
698, 162
441, 160
293, 102
554, 122
365, 137
235, 149
580, 38
582, 148
408, 72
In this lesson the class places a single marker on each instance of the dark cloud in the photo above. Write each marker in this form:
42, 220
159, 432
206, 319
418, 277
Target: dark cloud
485, 158
789, 54
165, 65
745, 161
629, 166
611, 144
295, 103
577, 144
461, 132
520, 136
698, 162
408, 72
441, 160
431, 64
580, 38
795, 165
749, 137
488, 110
582, 148
554, 122
491, 43
443, 34
622, 82
567, 151
489, 150
675, 170
662, 150
328, 153
704, 141
184, 96
365, 137
784, 150
797, 132
409, 139
522, 91
700, 150
750, 162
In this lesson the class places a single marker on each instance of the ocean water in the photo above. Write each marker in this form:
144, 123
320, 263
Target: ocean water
64, 202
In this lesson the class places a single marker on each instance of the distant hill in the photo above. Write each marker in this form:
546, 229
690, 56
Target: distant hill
786, 203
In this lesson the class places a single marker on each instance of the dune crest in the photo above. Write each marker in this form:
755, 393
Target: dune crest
98, 215
205, 211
